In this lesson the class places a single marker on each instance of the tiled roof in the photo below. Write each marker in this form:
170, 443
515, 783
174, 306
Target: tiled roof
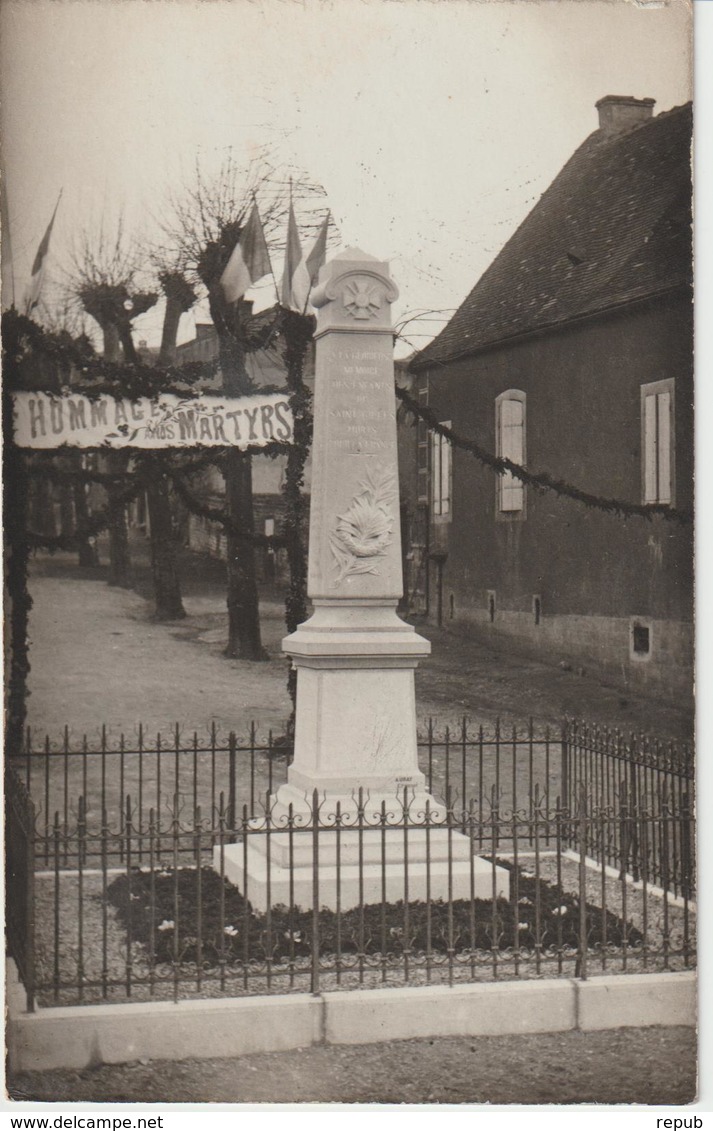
613, 226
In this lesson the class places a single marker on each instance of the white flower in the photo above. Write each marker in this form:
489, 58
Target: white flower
231, 930
561, 910
167, 925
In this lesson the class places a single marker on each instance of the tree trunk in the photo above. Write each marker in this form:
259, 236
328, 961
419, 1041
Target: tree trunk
167, 585
116, 463
243, 602
42, 516
66, 510
119, 557
164, 566
88, 555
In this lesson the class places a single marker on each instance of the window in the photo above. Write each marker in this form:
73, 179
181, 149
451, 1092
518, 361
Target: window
441, 473
491, 604
657, 442
640, 639
537, 609
510, 444
422, 446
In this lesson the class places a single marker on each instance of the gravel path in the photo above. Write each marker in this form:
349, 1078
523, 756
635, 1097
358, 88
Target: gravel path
98, 656
625, 1066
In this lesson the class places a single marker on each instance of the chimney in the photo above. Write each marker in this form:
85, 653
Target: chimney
619, 113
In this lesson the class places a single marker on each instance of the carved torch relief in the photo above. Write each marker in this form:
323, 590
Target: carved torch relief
363, 533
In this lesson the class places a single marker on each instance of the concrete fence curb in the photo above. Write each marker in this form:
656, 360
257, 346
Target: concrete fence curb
78, 1037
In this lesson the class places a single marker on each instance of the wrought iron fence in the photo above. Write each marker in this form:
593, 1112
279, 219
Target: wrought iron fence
635, 776
462, 758
363, 895
605, 762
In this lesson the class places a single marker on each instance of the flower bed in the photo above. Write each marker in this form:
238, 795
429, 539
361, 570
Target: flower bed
192, 916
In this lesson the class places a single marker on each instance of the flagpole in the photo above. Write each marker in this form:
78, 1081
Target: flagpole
269, 258
326, 234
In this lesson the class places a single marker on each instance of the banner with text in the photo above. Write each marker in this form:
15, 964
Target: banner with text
42, 420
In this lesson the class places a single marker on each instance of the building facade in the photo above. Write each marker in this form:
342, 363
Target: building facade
573, 356
266, 368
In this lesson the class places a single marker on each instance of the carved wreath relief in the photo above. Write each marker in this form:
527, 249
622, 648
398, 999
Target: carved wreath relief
363, 532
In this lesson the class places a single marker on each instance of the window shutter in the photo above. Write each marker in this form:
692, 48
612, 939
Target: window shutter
512, 447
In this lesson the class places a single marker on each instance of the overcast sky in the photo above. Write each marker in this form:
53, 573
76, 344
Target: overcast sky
433, 126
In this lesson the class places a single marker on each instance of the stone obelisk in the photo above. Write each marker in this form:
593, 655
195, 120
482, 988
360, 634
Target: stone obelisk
355, 725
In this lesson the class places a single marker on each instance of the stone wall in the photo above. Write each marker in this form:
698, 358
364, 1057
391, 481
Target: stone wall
598, 645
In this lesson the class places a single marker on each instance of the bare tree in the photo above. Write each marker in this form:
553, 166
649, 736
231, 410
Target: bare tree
64, 316
180, 297
208, 219
103, 280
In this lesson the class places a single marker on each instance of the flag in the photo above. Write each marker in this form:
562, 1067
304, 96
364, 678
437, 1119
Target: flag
308, 269
249, 260
293, 258
32, 297
8, 273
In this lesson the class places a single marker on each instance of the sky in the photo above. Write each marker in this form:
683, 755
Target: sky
433, 126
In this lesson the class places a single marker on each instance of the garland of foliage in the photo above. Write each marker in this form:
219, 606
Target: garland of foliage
99, 521
218, 514
135, 482
23, 338
17, 560
541, 481
298, 332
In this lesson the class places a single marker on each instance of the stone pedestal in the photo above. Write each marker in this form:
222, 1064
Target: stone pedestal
355, 658
343, 881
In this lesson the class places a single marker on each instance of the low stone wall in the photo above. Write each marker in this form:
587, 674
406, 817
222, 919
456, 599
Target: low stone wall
82, 1036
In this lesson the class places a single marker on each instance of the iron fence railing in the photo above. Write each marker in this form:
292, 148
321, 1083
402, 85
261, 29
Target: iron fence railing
605, 762
639, 774
463, 758
325, 907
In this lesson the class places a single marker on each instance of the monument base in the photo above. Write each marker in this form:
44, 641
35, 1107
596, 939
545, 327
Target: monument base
373, 866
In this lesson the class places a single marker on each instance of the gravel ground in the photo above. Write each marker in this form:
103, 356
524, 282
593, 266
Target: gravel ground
625, 1066
87, 638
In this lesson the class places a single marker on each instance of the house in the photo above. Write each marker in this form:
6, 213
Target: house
266, 368
573, 355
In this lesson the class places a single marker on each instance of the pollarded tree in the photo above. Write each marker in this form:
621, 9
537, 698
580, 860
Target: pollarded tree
180, 297
209, 220
103, 279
